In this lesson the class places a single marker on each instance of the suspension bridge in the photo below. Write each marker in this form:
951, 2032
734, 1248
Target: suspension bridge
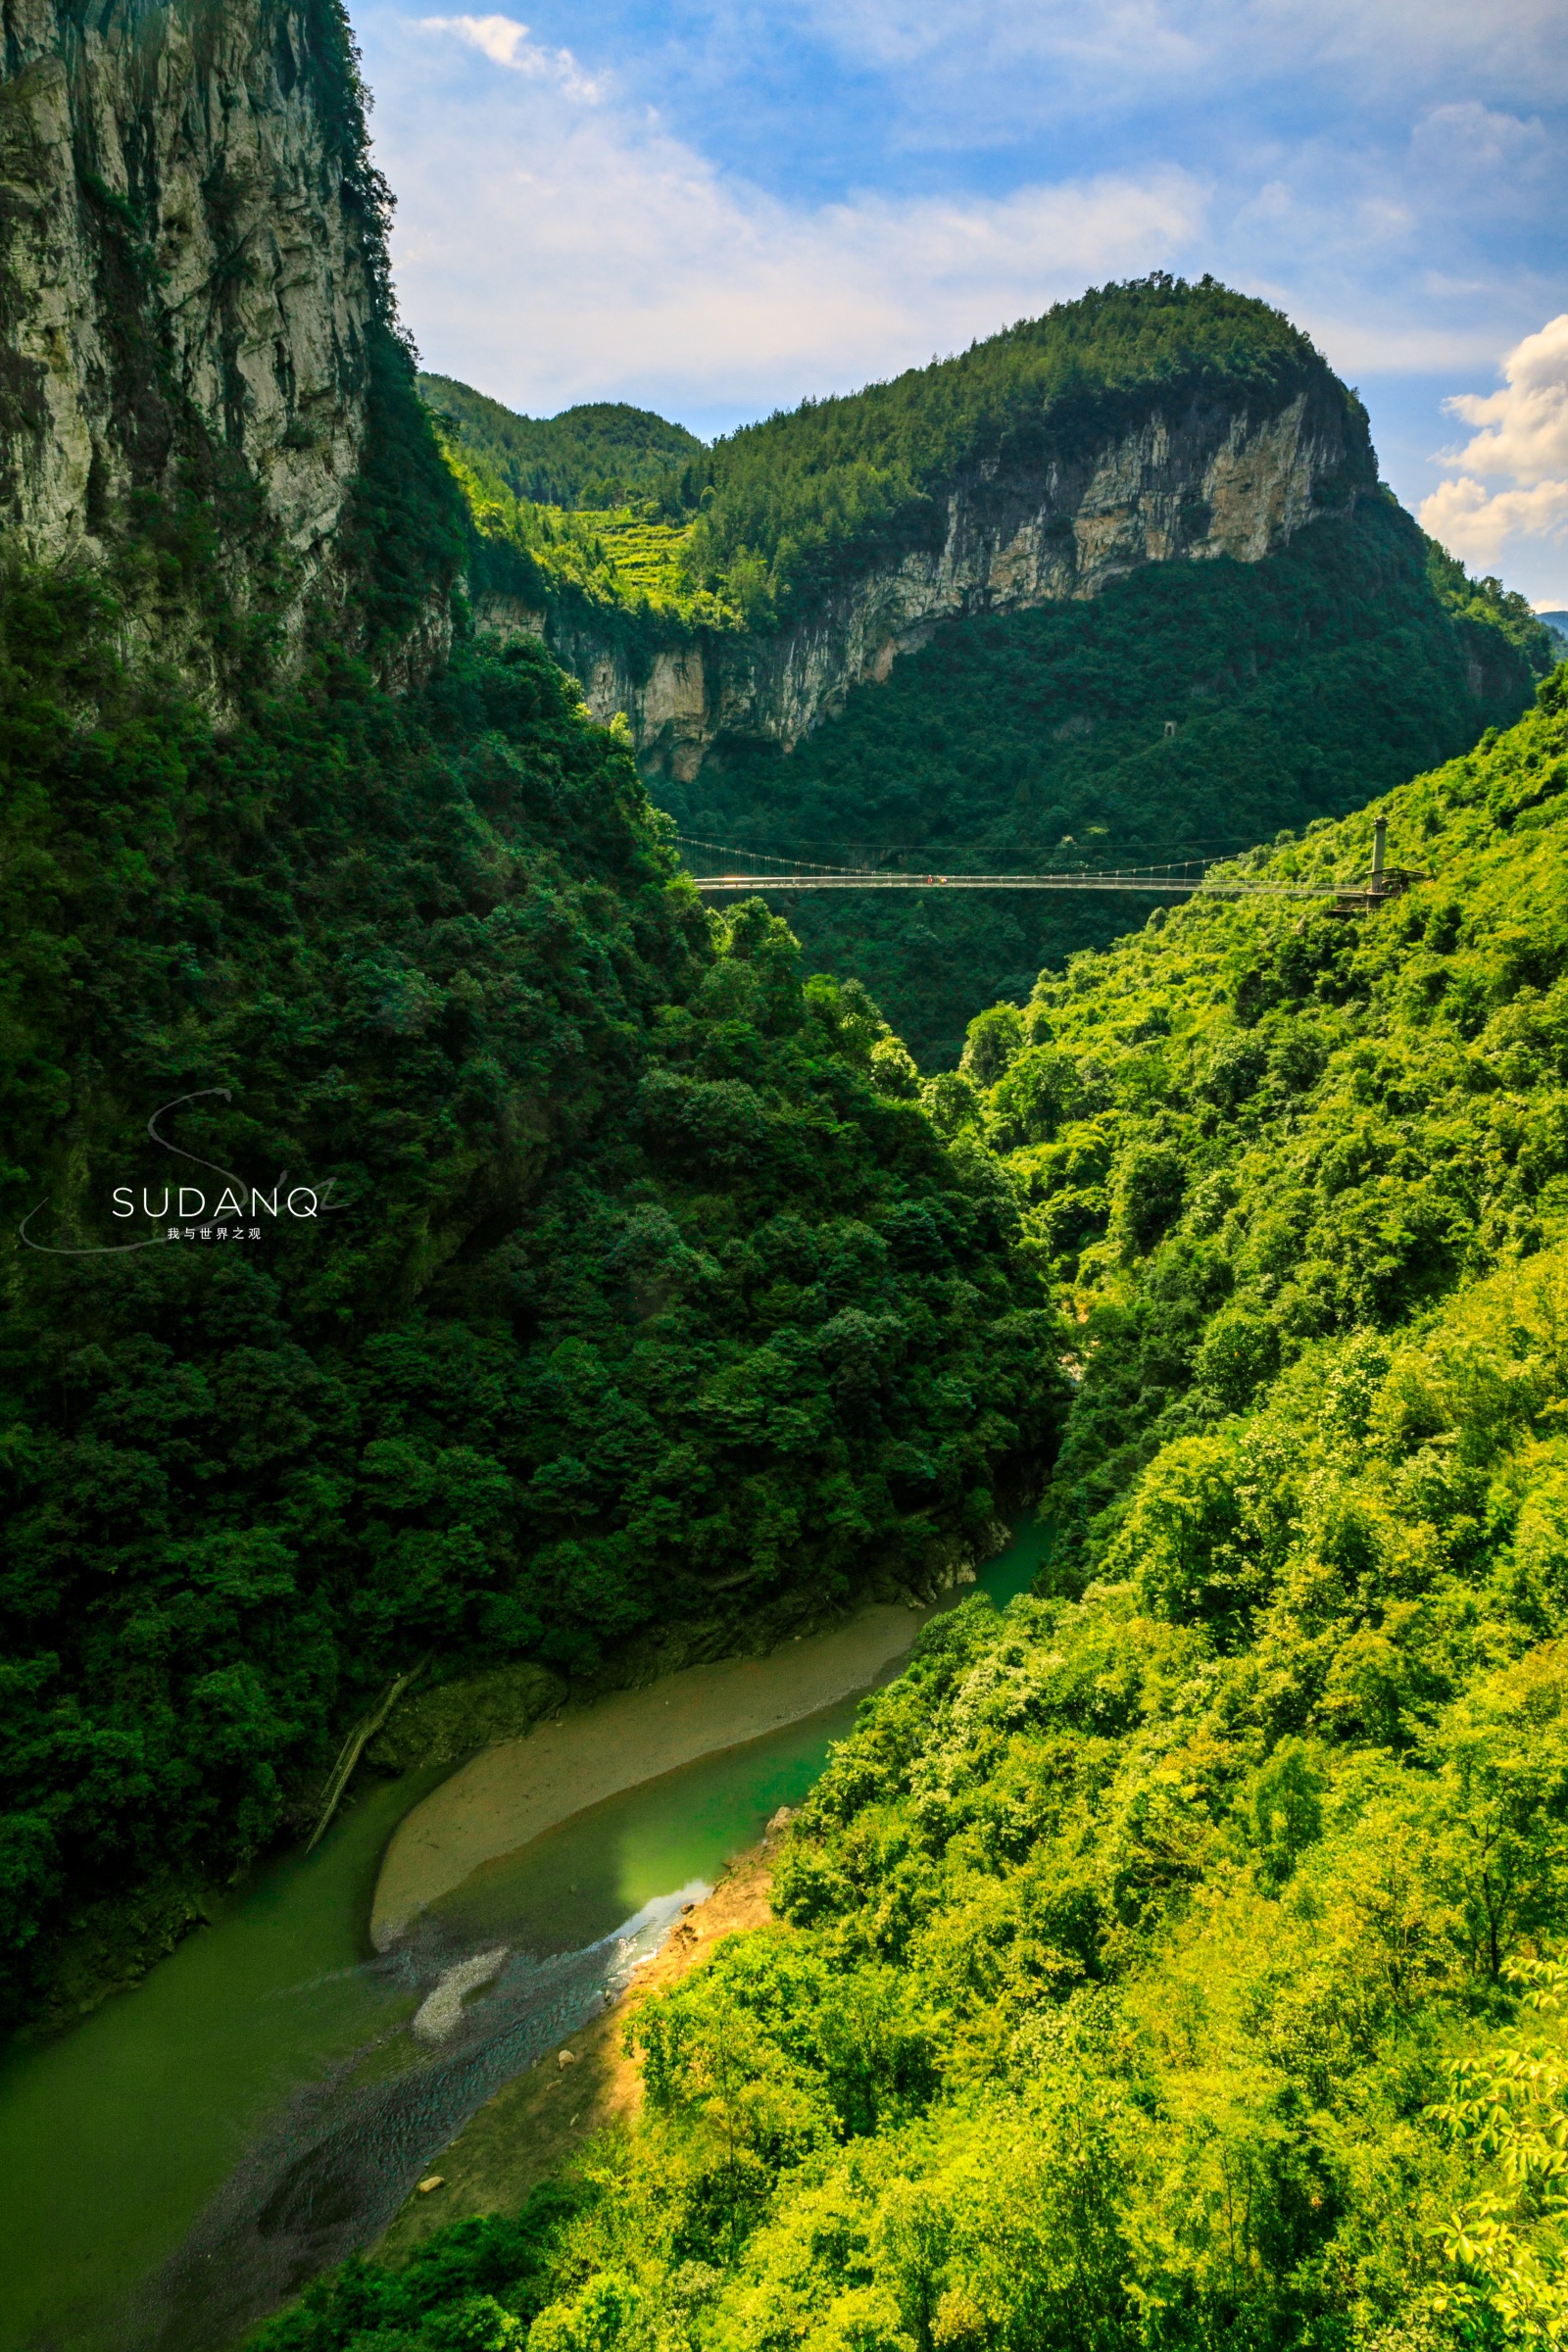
762, 870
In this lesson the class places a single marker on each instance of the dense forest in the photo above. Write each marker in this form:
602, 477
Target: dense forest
626, 1283
1177, 1957
1189, 709
638, 1277
601, 453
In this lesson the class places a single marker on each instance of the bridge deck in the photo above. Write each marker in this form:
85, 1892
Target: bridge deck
874, 880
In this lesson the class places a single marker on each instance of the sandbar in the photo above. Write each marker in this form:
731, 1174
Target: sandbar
505, 1796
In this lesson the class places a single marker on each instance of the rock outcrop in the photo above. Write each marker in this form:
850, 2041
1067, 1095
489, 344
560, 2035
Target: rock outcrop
1213, 479
188, 270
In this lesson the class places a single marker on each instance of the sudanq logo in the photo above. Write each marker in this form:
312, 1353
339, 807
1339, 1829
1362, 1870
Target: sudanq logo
233, 1212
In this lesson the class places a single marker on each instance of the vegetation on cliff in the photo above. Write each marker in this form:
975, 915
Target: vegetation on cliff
1188, 710
627, 1271
775, 513
631, 1284
803, 499
618, 568
1176, 1958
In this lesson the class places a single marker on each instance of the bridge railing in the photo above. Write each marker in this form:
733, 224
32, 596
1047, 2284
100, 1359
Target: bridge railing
764, 872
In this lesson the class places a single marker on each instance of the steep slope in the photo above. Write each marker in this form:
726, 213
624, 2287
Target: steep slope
1177, 1959
613, 1284
1151, 423
427, 1233
1117, 585
598, 454
1184, 711
1274, 1126
1143, 423
198, 325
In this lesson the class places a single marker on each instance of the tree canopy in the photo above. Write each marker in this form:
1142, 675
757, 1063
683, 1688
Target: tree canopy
1177, 1957
598, 454
638, 1278
1189, 710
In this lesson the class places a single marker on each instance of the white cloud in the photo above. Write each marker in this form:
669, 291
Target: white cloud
1507, 45
716, 208
499, 37
1523, 441
506, 42
1525, 426
1476, 524
553, 256
1480, 145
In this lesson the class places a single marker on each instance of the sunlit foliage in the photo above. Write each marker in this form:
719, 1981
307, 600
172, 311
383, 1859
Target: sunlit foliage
634, 1286
1177, 1958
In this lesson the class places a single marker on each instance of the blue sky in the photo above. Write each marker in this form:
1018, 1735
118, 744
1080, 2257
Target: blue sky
714, 208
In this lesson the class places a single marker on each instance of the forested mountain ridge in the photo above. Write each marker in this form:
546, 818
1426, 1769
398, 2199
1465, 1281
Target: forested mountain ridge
1171, 613
1176, 418
600, 455
1177, 1958
583, 1265
739, 601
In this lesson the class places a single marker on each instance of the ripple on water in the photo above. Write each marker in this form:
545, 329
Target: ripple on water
334, 2170
117, 2134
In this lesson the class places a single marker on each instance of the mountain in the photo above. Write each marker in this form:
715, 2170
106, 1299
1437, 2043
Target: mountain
1185, 710
598, 455
428, 1235
206, 402
543, 1272
1176, 1958
1117, 586
1139, 423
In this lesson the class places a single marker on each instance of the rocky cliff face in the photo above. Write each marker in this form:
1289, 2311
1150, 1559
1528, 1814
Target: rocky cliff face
1212, 480
188, 256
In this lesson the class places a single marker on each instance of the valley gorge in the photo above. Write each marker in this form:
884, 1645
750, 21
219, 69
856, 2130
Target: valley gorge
1203, 479
1123, 1349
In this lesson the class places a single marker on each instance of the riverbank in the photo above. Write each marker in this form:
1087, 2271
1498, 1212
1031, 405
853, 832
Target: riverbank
259, 2106
508, 1794
113, 1943
538, 2122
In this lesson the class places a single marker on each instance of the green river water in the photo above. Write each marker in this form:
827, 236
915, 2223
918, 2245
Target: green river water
258, 2105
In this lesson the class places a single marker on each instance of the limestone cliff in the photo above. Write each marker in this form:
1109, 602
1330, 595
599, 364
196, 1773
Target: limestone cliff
191, 262
1210, 478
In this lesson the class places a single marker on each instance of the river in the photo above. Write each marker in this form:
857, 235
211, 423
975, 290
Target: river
262, 2103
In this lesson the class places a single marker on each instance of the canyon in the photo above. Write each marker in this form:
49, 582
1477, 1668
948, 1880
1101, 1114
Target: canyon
1212, 477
